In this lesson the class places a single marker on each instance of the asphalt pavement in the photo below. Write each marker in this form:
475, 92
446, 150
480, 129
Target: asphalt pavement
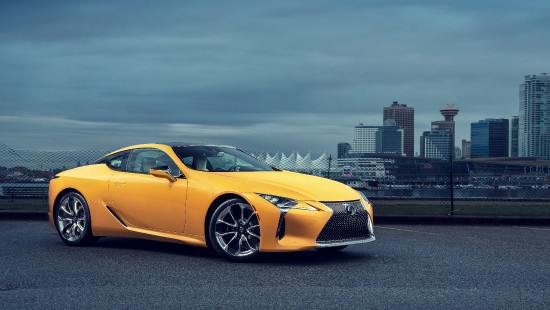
408, 267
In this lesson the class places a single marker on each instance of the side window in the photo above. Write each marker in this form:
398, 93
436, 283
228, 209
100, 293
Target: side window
188, 161
223, 163
142, 160
116, 161
228, 162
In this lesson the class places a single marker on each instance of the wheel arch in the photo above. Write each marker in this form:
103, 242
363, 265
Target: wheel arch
63, 193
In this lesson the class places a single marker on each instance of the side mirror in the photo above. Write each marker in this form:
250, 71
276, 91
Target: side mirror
162, 172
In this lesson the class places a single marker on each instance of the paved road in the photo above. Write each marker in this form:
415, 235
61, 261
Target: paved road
407, 267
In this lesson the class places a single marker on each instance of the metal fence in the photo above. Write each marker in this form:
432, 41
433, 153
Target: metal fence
518, 187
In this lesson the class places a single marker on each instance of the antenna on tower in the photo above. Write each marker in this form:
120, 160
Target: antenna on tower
452, 97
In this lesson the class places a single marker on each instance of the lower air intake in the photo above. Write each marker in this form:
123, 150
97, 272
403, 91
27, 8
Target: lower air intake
349, 222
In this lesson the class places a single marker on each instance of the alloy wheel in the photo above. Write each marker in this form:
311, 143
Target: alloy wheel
236, 230
73, 220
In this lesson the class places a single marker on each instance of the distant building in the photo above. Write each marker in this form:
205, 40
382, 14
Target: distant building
436, 143
490, 138
386, 139
343, 149
363, 166
390, 139
514, 134
404, 118
458, 152
534, 117
466, 148
439, 142
449, 112
364, 139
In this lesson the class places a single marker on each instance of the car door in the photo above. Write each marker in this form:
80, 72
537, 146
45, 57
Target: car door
144, 201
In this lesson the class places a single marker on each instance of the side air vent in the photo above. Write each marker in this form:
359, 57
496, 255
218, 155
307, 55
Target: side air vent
116, 216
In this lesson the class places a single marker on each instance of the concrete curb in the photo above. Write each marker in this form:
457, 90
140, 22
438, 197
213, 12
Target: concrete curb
381, 219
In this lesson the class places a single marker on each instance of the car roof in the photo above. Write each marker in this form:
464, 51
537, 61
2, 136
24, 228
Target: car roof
163, 144
180, 143
185, 144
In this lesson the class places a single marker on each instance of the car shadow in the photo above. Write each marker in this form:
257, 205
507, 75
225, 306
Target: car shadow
154, 246
309, 257
313, 257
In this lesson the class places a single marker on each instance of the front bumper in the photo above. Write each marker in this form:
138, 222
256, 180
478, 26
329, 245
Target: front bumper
302, 228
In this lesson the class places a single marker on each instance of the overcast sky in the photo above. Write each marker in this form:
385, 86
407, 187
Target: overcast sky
262, 75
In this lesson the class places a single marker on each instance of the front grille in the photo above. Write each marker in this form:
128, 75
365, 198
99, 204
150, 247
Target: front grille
344, 226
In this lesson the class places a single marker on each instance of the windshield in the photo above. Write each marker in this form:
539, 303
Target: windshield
218, 159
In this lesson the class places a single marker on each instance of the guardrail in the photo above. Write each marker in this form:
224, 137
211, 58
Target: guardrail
13, 192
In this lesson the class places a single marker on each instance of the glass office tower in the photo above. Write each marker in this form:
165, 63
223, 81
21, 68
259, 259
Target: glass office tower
489, 138
534, 116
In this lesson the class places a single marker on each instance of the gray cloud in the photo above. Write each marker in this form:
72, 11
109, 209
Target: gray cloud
281, 75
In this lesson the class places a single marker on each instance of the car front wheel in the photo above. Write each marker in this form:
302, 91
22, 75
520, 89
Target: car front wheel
234, 231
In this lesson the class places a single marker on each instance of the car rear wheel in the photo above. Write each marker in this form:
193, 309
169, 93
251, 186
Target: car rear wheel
234, 231
72, 220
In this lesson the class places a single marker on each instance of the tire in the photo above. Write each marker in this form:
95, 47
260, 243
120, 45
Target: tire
234, 231
73, 221
333, 249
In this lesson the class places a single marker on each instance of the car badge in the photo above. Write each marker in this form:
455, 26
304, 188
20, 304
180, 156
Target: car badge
349, 209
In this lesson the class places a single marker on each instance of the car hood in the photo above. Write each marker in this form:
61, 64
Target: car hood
292, 185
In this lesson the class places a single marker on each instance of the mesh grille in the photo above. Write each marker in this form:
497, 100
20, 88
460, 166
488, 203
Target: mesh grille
344, 226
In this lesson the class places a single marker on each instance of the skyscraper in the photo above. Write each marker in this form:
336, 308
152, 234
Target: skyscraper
431, 141
390, 138
343, 149
449, 112
458, 152
436, 143
514, 133
387, 139
489, 138
534, 116
404, 118
364, 139
466, 148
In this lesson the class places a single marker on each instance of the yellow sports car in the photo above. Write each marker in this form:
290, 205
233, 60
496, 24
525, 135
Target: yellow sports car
206, 195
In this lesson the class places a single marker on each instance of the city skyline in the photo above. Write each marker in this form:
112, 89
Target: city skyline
285, 75
489, 137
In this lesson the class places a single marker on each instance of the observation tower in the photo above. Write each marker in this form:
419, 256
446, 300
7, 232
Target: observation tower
449, 112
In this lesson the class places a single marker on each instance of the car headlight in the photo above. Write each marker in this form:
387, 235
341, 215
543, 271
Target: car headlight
284, 204
364, 197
